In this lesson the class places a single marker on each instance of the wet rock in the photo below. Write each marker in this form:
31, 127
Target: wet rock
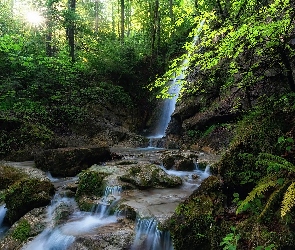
148, 175
28, 226
71, 161
26, 194
194, 223
90, 188
179, 160
106, 238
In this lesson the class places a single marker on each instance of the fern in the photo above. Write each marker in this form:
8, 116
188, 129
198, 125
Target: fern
274, 162
288, 200
273, 198
261, 188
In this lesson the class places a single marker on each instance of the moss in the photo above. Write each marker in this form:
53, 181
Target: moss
148, 176
9, 175
25, 195
194, 223
22, 230
90, 183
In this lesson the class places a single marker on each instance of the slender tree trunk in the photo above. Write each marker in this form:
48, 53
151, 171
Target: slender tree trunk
171, 11
96, 17
122, 4
49, 27
71, 29
155, 27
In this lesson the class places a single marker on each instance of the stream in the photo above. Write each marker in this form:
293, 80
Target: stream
107, 226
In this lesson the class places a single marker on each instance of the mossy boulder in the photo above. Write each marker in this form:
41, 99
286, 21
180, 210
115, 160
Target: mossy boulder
9, 175
150, 176
26, 194
70, 161
194, 223
179, 161
90, 188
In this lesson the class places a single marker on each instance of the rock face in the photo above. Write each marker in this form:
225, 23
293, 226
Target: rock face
70, 161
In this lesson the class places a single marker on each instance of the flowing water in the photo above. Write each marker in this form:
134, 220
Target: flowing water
168, 106
149, 237
3, 228
62, 236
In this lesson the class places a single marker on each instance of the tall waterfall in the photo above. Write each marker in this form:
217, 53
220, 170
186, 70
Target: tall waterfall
168, 105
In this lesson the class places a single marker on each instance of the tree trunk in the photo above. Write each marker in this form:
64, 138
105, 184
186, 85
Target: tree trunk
122, 4
155, 27
71, 29
96, 17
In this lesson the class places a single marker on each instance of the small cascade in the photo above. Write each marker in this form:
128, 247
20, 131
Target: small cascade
62, 236
3, 228
149, 237
3, 210
112, 195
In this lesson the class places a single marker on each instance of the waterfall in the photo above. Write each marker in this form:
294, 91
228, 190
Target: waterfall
168, 105
149, 237
3, 228
112, 195
3, 210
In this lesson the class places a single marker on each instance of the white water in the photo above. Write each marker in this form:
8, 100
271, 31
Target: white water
61, 237
3, 228
169, 104
148, 236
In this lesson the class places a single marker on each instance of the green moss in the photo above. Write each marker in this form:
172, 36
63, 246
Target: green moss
193, 225
22, 230
9, 175
26, 194
90, 183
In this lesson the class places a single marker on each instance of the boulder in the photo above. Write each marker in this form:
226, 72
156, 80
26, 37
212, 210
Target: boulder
25, 195
179, 161
150, 176
194, 225
70, 161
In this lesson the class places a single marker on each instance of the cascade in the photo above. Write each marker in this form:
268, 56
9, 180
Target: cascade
62, 236
112, 195
2, 214
168, 105
3, 228
149, 237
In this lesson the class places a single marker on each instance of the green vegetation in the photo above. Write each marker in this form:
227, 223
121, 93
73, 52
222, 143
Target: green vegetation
22, 230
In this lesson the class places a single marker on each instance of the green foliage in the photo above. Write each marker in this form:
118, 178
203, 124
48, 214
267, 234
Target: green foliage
22, 230
288, 200
90, 183
277, 182
230, 241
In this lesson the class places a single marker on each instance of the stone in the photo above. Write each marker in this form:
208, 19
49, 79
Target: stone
65, 162
148, 175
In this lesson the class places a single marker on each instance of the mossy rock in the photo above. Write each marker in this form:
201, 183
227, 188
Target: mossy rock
71, 161
185, 165
150, 176
91, 186
26, 194
193, 225
90, 183
9, 175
